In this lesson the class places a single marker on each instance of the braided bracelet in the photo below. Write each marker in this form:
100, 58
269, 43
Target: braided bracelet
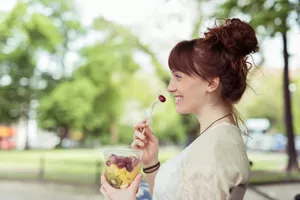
151, 169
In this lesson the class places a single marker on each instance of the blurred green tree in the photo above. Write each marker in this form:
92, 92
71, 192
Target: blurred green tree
272, 18
26, 37
91, 101
263, 102
257, 103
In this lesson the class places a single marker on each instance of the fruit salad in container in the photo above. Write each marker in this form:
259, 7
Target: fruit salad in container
122, 166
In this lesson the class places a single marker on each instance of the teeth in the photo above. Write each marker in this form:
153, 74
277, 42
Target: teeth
178, 98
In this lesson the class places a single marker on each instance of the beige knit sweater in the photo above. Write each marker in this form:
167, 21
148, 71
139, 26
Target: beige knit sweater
216, 166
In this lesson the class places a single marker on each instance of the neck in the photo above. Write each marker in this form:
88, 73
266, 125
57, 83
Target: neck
212, 112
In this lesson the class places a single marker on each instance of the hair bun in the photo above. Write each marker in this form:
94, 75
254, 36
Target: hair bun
236, 36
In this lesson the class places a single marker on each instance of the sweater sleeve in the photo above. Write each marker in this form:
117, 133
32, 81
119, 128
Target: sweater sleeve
211, 169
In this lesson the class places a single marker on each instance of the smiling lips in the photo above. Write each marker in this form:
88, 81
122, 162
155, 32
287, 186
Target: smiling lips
178, 98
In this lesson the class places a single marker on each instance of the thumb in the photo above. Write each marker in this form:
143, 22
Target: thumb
136, 182
145, 120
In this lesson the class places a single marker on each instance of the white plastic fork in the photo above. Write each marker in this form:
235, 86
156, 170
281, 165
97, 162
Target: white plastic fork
150, 115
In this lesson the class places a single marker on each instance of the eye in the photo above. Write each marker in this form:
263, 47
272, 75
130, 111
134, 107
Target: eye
178, 76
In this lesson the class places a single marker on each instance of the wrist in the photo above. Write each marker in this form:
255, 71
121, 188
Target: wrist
153, 168
150, 163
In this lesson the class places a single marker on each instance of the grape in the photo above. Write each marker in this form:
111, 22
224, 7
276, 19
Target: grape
127, 160
121, 159
121, 165
113, 158
129, 167
161, 98
108, 163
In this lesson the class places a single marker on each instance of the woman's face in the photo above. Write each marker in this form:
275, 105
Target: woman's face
190, 92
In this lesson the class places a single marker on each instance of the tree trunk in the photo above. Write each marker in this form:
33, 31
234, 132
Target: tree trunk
292, 164
114, 133
26, 118
63, 134
27, 146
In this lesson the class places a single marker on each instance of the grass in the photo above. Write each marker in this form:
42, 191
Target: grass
84, 166
75, 166
267, 177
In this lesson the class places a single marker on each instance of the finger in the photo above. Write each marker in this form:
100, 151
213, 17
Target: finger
134, 146
145, 120
104, 193
137, 144
140, 125
108, 188
105, 185
140, 143
136, 182
140, 136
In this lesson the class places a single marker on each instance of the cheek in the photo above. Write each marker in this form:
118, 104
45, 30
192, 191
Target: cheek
196, 91
197, 95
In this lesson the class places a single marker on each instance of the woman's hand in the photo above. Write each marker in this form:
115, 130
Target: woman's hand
111, 193
146, 142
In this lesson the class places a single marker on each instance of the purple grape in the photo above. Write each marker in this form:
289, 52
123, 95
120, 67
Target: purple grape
113, 158
129, 167
122, 158
161, 98
127, 160
121, 165
119, 159
108, 163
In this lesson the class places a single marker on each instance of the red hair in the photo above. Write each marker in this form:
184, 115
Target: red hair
222, 52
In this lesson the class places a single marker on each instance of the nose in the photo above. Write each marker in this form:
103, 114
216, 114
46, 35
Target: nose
171, 86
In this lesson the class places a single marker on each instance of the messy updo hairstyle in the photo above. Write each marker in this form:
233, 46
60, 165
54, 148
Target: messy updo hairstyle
222, 52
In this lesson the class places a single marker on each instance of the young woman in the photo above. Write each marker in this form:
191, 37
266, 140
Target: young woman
209, 75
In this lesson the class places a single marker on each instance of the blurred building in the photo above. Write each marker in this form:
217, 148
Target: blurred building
24, 133
7, 135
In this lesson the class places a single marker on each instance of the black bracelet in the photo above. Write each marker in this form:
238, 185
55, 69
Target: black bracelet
151, 167
148, 171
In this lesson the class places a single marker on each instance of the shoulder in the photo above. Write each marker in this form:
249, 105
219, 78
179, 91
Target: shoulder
223, 135
222, 146
216, 160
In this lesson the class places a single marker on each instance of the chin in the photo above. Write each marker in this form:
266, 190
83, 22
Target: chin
183, 111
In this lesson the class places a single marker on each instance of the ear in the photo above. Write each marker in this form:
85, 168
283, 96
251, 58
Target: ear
213, 84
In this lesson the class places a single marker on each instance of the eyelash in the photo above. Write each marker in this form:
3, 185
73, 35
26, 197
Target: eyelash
177, 76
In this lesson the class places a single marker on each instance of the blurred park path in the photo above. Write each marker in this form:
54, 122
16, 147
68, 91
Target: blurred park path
18, 190
278, 192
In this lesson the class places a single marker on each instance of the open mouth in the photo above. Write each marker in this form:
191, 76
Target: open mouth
178, 99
